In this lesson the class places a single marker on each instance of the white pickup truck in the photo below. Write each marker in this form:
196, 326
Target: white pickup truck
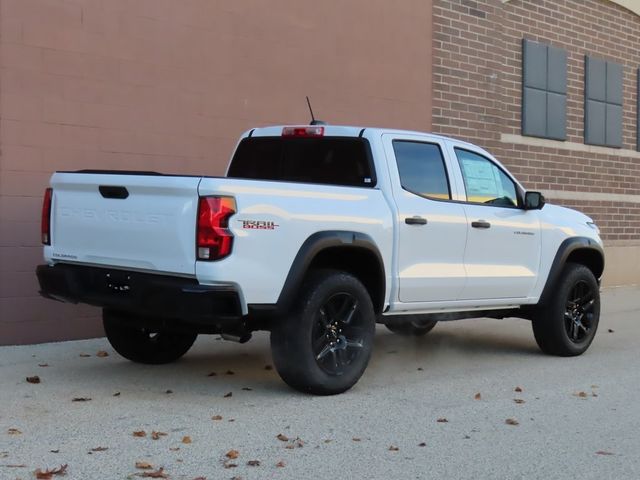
315, 234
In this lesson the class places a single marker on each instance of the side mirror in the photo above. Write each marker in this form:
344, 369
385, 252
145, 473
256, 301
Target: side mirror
533, 201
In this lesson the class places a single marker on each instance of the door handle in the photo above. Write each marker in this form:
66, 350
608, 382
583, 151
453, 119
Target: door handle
480, 224
415, 221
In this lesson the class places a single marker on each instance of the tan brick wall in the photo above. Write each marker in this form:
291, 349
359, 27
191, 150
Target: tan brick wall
478, 92
169, 85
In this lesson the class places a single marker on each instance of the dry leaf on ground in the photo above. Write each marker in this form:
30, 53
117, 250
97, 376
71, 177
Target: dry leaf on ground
34, 379
140, 433
442, 420
144, 466
227, 395
247, 389
117, 394
156, 435
511, 421
84, 355
477, 396
356, 439
186, 439
43, 364
393, 448
168, 392
14, 431
99, 449
422, 444
230, 372
228, 464
282, 438
519, 401
580, 394
153, 474
81, 399
518, 389
611, 330
253, 463
216, 417
604, 452
48, 474
232, 454
102, 354
281, 464
211, 374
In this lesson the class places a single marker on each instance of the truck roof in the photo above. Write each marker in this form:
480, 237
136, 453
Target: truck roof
345, 131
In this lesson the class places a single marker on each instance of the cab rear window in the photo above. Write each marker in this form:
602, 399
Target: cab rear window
327, 160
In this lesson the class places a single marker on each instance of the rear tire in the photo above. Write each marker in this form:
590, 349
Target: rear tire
413, 327
568, 323
324, 344
141, 345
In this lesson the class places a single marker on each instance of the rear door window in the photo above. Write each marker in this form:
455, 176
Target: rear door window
422, 170
328, 160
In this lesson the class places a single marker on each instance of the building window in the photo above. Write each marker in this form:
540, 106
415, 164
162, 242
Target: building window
602, 103
544, 91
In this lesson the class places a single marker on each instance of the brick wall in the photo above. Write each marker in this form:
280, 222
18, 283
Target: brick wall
478, 91
169, 85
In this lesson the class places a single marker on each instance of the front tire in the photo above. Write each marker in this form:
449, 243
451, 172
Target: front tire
567, 325
324, 344
141, 345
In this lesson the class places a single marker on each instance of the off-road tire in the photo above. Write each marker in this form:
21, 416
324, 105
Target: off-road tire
324, 344
567, 324
142, 345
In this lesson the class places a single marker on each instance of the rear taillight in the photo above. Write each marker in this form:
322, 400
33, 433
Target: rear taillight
45, 224
214, 240
312, 131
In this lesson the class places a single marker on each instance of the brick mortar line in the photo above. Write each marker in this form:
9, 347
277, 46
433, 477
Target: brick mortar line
574, 146
592, 196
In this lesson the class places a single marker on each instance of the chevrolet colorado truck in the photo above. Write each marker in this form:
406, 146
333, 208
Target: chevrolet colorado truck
317, 233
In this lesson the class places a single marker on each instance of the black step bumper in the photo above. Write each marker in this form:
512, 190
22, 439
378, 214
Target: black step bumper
146, 294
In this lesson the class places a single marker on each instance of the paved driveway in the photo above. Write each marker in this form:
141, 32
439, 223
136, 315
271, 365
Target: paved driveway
578, 417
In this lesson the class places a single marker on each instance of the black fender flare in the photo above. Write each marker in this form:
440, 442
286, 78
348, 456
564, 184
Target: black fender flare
566, 248
315, 244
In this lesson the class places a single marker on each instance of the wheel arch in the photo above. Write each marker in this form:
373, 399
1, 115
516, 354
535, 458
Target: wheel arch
353, 252
581, 250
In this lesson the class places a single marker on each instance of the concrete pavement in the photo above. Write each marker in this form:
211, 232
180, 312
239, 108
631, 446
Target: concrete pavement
374, 431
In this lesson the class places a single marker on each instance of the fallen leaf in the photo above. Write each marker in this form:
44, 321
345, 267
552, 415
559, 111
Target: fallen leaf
518, 389
140, 433
229, 372
55, 451
200, 478
594, 394
282, 438
519, 401
422, 444
174, 449
168, 392
216, 417
212, 374
43, 364
156, 435
253, 463
247, 389
34, 379
393, 448
117, 394
232, 420
356, 439
328, 440
80, 399
227, 395
232, 454
144, 466
442, 420
604, 452
155, 474
99, 449
511, 421
228, 464
420, 369
186, 439
281, 464
14, 431
102, 354
611, 330
48, 474
477, 396
84, 355
268, 367
580, 394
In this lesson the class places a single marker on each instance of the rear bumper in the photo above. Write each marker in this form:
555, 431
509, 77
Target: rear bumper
146, 294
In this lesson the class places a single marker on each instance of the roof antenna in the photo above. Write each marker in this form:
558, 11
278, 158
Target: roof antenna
313, 119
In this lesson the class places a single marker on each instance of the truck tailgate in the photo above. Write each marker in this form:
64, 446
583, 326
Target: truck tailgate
142, 222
